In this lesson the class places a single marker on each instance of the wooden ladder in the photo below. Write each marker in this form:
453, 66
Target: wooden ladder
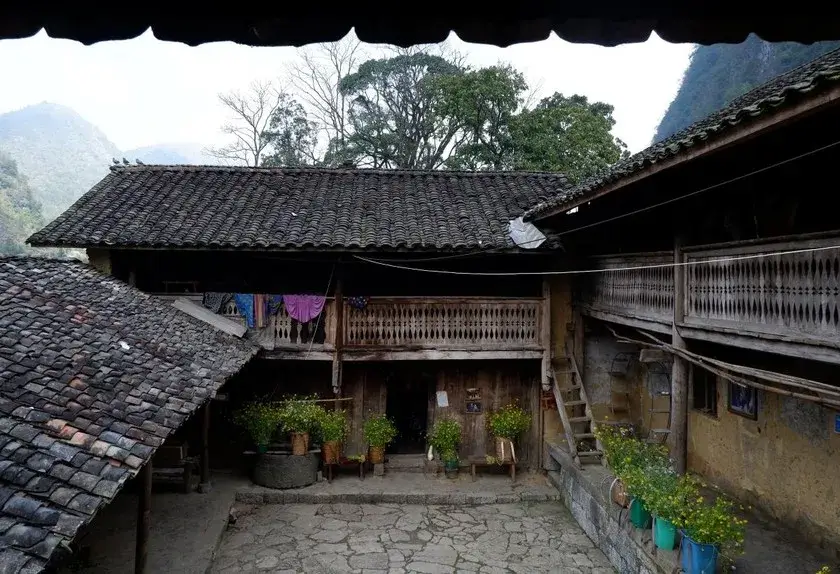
573, 395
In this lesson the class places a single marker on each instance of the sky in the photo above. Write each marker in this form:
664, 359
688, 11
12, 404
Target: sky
144, 91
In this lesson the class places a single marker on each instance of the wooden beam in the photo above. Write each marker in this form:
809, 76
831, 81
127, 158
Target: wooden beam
204, 485
349, 355
678, 437
339, 337
749, 130
209, 317
652, 356
144, 512
545, 335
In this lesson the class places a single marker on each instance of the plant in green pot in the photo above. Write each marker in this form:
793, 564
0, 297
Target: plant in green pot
669, 498
444, 438
638, 478
379, 431
507, 424
260, 421
333, 427
299, 418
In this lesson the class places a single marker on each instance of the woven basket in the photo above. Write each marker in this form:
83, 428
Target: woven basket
504, 450
331, 450
377, 454
300, 443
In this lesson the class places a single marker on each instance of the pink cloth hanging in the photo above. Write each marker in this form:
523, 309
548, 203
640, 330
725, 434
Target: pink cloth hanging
304, 308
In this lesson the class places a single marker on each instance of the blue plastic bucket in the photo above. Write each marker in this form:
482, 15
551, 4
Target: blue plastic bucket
698, 558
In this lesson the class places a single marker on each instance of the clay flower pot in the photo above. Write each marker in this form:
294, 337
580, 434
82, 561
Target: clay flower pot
300, 443
619, 494
331, 450
377, 454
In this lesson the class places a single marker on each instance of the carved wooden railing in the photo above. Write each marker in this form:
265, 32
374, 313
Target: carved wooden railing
646, 293
445, 323
281, 330
795, 294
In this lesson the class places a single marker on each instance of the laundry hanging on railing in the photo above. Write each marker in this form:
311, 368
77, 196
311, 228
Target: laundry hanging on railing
304, 308
245, 306
358, 302
273, 304
216, 301
259, 310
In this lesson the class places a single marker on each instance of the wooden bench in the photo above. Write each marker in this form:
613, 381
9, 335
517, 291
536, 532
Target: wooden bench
170, 463
476, 461
345, 463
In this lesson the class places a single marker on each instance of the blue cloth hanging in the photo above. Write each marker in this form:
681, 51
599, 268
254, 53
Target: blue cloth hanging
245, 306
272, 304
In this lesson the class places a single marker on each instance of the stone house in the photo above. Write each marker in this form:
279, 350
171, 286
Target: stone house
715, 324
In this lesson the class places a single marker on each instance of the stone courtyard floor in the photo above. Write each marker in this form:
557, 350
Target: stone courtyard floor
392, 537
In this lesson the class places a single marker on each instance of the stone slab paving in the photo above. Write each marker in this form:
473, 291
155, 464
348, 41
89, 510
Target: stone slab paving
394, 538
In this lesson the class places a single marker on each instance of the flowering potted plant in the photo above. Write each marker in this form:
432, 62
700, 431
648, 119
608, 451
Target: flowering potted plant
379, 431
620, 450
260, 420
300, 417
507, 424
333, 426
444, 438
708, 531
670, 498
645, 460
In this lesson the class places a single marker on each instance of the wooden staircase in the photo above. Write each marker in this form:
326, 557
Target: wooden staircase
569, 393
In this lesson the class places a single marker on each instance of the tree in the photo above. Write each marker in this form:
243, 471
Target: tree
397, 114
317, 79
251, 116
569, 135
20, 213
290, 137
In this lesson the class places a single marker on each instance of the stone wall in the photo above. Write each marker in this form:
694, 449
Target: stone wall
784, 463
585, 493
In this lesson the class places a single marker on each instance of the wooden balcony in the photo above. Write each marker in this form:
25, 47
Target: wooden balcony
409, 328
787, 304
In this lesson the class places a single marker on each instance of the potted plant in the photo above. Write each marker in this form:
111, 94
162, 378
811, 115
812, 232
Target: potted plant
444, 438
379, 431
507, 424
669, 498
260, 421
300, 417
710, 530
638, 478
620, 449
333, 426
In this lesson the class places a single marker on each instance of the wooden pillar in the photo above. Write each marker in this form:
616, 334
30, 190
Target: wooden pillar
339, 338
204, 484
545, 370
144, 512
678, 437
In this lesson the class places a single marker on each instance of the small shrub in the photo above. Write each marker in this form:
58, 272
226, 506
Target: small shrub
509, 422
333, 425
260, 421
300, 415
445, 437
716, 524
379, 431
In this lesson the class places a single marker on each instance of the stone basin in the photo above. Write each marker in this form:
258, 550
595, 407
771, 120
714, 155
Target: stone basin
285, 470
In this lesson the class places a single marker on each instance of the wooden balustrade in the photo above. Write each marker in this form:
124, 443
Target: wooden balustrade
480, 324
640, 286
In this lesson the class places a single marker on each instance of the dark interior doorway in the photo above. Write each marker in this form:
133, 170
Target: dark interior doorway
407, 404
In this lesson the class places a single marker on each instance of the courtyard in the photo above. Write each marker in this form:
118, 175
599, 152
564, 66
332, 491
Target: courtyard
341, 537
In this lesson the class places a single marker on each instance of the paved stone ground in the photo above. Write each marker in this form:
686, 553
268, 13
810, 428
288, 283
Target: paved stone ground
366, 538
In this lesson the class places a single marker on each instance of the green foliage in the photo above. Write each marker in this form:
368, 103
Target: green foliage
445, 437
566, 134
20, 213
379, 431
290, 134
333, 425
300, 415
716, 524
260, 421
719, 73
509, 422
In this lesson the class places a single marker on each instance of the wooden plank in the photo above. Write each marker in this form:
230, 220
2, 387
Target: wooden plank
567, 425
338, 337
652, 356
356, 355
144, 518
207, 316
204, 485
678, 437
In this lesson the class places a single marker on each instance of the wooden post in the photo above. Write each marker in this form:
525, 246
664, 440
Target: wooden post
204, 485
339, 338
545, 379
679, 371
144, 511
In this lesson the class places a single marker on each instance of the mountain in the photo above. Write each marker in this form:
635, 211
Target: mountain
61, 153
20, 213
719, 73
171, 154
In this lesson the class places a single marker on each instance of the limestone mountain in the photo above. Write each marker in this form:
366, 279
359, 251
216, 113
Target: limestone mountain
20, 213
61, 153
719, 73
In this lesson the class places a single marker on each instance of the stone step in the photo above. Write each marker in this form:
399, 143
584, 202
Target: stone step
405, 462
316, 495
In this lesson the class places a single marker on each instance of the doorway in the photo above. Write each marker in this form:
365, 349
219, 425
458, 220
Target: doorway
407, 404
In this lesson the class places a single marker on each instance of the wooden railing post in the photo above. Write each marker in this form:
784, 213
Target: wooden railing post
678, 436
545, 335
338, 330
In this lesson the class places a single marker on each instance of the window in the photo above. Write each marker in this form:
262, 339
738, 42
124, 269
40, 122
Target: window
704, 385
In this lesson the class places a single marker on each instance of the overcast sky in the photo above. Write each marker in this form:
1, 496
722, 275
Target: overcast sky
144, 91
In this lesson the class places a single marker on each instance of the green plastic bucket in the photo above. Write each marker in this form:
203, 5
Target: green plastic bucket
639, 515
664, 534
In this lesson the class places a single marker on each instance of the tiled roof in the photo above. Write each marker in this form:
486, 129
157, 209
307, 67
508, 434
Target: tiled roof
801, 83
94, 375
265, 208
